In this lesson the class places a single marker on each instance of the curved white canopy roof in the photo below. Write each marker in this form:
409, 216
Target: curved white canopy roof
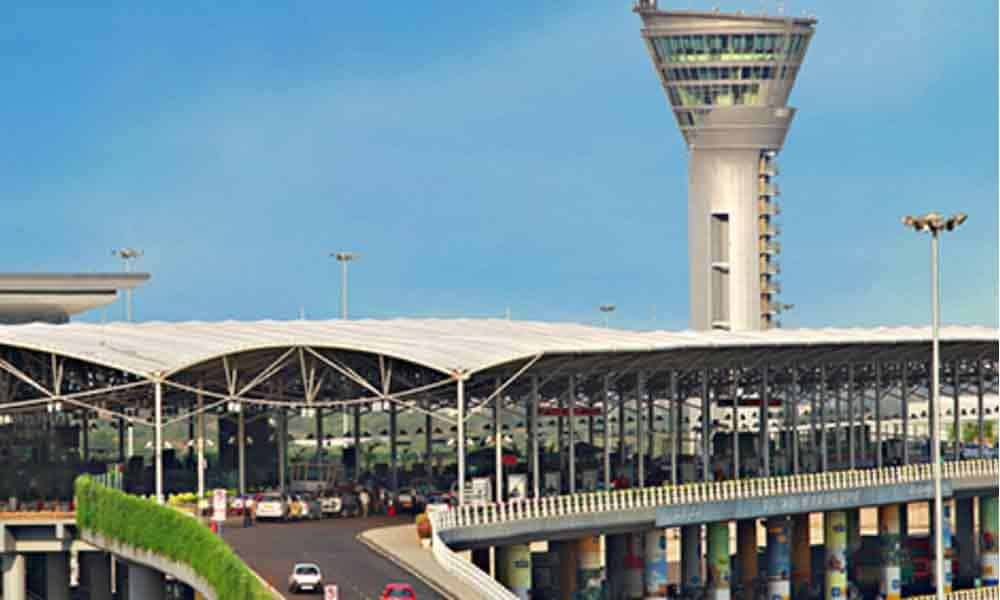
449, 346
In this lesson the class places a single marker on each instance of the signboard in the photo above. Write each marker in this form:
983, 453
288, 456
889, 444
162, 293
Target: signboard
517, 486
330, 592
481, 491
219, 505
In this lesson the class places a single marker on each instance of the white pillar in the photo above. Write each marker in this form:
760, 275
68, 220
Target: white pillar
200, 443
535, 464
57, 576
15, 577
241, 441
460, 400
158, 434
145, 583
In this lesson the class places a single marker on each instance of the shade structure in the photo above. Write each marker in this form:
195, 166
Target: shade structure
467, 346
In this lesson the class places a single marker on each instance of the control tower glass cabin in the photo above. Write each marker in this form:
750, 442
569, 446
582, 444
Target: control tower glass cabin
728, 77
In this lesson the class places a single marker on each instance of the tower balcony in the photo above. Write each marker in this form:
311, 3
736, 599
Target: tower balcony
767, 228
768, 208
770, 287
769, 247
769, 188
769, 267
769, 167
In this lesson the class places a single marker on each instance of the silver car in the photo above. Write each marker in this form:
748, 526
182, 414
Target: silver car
305, 577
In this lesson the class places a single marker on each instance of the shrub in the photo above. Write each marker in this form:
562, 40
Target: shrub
145, 524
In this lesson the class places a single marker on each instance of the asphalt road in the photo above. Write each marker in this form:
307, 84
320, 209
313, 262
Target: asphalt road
272, 549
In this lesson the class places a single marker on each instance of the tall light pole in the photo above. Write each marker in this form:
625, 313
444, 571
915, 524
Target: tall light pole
343, 258
127, 255
934, 224
607, 309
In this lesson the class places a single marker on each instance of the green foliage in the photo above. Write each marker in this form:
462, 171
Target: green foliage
144, 524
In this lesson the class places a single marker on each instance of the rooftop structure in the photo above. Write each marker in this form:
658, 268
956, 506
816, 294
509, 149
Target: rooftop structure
728, 78
54, 297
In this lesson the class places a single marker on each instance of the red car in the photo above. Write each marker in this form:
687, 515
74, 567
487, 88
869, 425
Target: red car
393, 591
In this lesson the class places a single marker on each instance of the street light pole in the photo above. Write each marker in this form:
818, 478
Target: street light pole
607, 309
127, 255
343, 258
935, 224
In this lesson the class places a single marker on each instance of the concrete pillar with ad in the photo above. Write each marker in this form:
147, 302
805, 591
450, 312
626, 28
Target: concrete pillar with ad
778, 559
567, 568
965, 540
691, 557
655, 572
890, 552
590, 574
801, 556
835, 567
719, 568
746, 550
634, 565
989, 524
514, 569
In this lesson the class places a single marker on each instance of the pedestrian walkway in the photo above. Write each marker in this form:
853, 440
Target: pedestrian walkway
400, 545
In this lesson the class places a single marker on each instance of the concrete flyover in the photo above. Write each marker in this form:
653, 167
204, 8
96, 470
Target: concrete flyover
272, 549
578, 515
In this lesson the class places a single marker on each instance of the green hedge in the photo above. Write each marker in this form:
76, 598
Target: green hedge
170, 533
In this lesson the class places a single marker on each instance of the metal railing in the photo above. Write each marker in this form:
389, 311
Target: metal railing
702, 492
983, 593
469, 573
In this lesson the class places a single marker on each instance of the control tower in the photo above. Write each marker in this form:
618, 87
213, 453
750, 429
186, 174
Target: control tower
728, 77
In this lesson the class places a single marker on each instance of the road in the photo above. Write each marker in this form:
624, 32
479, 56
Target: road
272, 549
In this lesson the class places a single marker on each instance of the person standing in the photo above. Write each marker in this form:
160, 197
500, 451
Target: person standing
365, 499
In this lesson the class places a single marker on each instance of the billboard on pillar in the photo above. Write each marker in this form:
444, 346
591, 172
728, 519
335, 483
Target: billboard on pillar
219, 505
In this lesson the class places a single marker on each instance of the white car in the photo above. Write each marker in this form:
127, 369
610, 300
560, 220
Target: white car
305, 577
272, 506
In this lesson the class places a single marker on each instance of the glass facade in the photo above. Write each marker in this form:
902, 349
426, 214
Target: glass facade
714, 95
727, 47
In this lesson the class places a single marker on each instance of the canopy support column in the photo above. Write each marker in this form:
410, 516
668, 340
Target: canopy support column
640, 454
904, 390
498, 439
607, 428
823, 400
675, 426
571, 402
706, 424
158, 435
878, 414
460, 401
764, 419
536, 474
734, 392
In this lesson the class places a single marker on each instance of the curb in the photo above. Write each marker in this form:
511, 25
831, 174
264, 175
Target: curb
406, 567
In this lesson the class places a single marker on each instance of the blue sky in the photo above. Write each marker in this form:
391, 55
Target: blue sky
479, 155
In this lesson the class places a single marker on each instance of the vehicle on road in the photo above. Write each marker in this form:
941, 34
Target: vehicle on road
340, 503
305, 577
273, 506
309, 507
395, 591
410, 500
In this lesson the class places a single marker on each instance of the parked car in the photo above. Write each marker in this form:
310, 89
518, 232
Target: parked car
273, 506
305, 577
396, 591
343, 503
411, 500
309, 507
